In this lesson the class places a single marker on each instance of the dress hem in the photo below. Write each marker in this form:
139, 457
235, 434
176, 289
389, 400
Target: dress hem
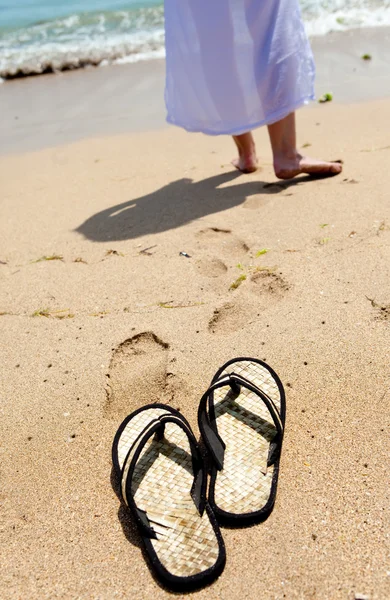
277, 116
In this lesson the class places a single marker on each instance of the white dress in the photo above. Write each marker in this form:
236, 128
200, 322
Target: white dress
233, 65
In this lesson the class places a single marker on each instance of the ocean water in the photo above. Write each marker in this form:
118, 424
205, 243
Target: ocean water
38, 36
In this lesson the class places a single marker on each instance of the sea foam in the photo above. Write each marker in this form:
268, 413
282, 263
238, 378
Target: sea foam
125, 36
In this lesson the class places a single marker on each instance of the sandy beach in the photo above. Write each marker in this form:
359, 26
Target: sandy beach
90, 241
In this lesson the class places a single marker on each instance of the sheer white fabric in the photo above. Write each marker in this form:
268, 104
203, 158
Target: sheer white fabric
233, 65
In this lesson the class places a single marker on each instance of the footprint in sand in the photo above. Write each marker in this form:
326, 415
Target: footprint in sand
231, 316
138, 375
255, 202
211, 267
268, 284
217, 244
382, 311
254, 296
222, 241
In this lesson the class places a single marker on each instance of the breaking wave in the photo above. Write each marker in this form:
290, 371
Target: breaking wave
123, 36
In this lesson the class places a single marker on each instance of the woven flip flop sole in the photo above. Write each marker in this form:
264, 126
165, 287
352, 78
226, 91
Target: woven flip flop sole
130, 430
260, 376
246, 426
186, 543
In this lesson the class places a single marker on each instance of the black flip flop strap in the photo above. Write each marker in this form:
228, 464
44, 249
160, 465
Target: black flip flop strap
125, 466
214, 442
198, 490
265, 397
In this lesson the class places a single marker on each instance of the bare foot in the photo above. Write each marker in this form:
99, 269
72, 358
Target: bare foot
287, 168
288, 163
246, 164
247, 159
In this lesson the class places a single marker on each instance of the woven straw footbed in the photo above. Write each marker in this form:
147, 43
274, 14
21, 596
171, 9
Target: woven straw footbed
186, 543
247, 428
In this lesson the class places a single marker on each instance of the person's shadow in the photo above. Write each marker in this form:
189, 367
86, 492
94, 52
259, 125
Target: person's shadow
173, 205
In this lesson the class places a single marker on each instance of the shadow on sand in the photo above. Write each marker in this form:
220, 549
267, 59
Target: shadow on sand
174, 205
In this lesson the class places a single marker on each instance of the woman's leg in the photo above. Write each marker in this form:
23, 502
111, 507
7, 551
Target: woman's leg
247, 159
288, 162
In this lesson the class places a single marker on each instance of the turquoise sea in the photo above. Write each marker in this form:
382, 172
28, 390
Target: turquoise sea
38, 36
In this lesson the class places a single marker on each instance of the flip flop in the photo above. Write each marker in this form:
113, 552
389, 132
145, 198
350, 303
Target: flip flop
163, 483
131, 428
241, 418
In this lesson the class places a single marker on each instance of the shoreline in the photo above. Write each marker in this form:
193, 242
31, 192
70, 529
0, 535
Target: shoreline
71, 62
99, 101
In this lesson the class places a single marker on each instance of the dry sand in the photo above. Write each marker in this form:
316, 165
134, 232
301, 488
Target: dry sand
318, 312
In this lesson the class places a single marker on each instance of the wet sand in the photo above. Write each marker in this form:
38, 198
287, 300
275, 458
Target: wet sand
51, 110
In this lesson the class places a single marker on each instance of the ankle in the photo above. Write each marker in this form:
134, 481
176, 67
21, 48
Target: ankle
247, 152
286, 155
245, 144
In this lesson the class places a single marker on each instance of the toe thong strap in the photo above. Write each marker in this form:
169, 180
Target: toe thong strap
157, 428
213, 441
